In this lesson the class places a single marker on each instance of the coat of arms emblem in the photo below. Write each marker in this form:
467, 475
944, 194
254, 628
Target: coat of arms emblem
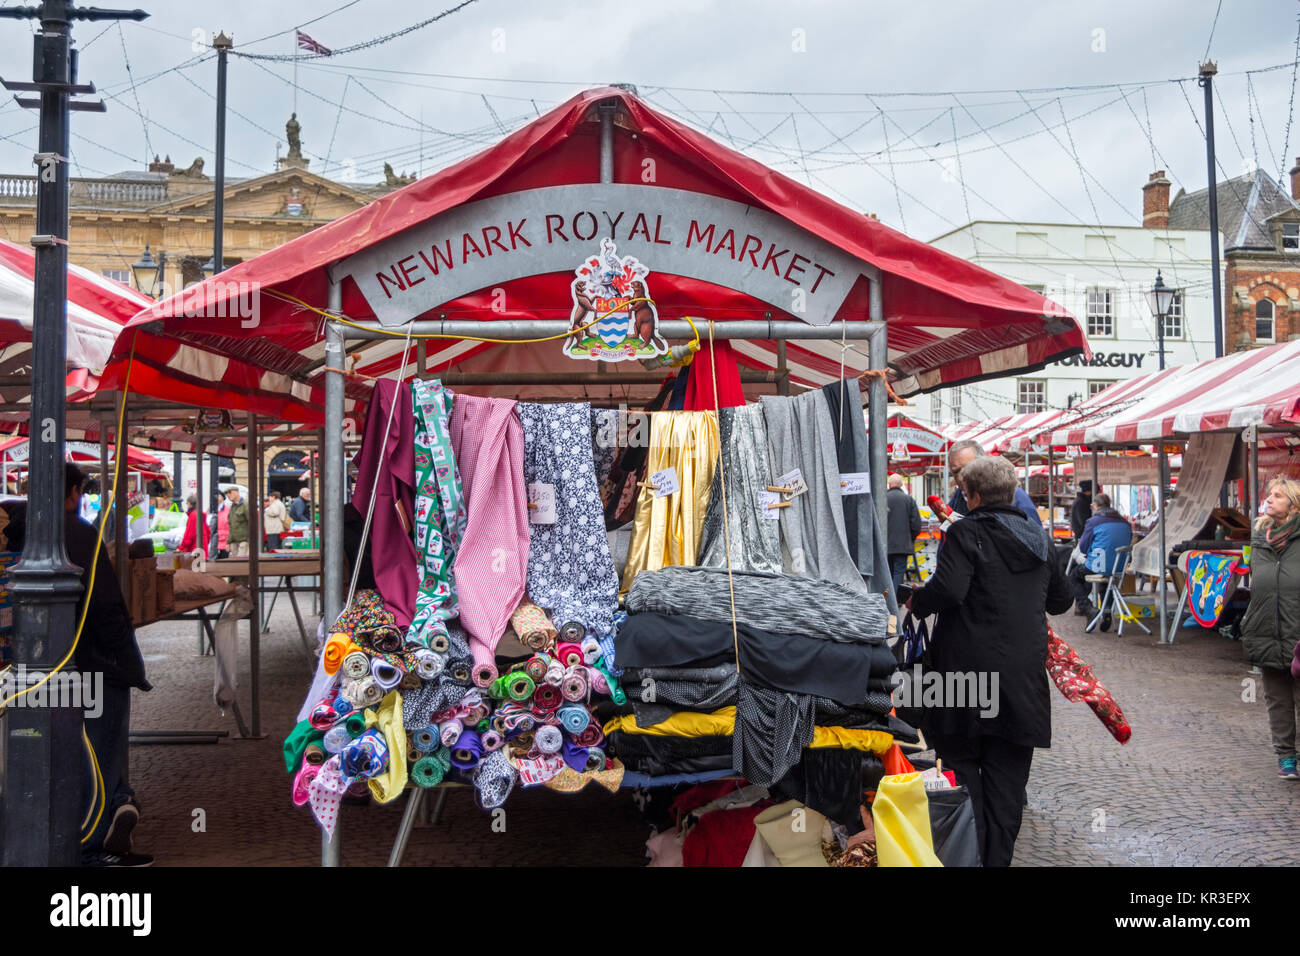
613, 317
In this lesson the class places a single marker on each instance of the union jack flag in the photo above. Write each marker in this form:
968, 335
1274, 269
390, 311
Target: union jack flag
307, 43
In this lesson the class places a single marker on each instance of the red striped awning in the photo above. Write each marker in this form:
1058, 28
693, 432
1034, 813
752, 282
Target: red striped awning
950, 321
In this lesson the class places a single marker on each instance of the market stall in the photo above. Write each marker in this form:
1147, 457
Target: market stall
487, 651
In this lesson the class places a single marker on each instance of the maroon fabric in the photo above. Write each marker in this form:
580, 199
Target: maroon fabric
722, 838
699, 386
386, 468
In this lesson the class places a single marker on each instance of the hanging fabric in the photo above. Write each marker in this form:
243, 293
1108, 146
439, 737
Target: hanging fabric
668, 527
844, 400
492, 561
801, 436
570, 569
700, 377
386, 469
439, 513
755, 539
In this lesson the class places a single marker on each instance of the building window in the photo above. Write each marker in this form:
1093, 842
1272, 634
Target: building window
1264, 320
1031, 395
1040, 289
1095, 387
954, 404
1101, 313
1174, 320
1291, 237
121, 275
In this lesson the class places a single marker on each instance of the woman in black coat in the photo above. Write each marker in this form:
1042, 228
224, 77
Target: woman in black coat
992, 590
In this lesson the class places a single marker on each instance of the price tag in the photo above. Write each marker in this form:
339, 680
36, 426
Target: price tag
855, 483
794, 481
665, 482
541, 503
765, 500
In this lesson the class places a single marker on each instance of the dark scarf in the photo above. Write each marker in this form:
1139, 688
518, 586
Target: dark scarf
1278, 535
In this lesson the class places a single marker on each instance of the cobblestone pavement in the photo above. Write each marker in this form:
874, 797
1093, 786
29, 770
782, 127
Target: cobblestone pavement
1196, 785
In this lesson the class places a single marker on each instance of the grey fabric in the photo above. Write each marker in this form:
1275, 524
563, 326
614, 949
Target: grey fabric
813, 540
784, 603
755, 540
844, 403
771, 730
656, 692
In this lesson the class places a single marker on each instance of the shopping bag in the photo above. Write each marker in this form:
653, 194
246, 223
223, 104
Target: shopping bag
952, 827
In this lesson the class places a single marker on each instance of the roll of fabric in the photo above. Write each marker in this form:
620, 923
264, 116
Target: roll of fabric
533, 627
547, 697
755, 540
515, 720
499, 688
568, 654
667, 528
575, 684
476, 714
591, 736
523, 740
814, 543
410, 681
325, 792
385, 639
570, 568
595, 758
302, 783
493, 780
484, 671
783, 603
355, 723
336, 648
613, 688
449, 732
314, 754
413, 753
590, 650
430, 769
574, 756
356, 665
520, 686
425, 740
439, 515
535, 667
499, 722
439, 644
492, 740
574, 718
599, 685
342, 707
336, 739
385, 674
364, 757
548, 739
323, 715
428, 663
571, 632
554, 673
468, 750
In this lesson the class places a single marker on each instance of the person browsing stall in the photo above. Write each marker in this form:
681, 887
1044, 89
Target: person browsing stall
960, 455
902, 525
1105, 532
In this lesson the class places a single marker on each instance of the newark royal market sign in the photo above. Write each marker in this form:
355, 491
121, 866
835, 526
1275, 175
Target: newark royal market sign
483, 244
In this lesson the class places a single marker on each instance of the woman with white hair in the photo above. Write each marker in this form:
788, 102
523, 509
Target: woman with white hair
1271, 627
992, 589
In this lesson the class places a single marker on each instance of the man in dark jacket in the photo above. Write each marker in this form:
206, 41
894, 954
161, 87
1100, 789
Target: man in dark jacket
1081, 510
1107, 531
960, 455
992, 591
903, 522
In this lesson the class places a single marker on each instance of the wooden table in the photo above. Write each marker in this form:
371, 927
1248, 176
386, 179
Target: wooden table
279, 565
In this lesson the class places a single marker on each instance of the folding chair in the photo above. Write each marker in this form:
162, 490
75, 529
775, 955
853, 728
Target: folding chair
1113, 602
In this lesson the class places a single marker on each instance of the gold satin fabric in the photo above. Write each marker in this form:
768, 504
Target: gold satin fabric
668, 529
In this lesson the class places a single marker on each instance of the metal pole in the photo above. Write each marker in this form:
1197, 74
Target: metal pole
121, 498
607, 142
332, 505
254, 578
222, 44
1051, 493
878, 410
1096, 485
1207, 73
782, 369
177, 465
1164, 549
1252, 474
201, 522
776, 329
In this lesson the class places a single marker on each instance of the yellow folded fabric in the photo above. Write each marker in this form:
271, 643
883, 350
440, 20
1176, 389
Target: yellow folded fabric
667, 528
388, 718
793, 832
901, 813
722, 723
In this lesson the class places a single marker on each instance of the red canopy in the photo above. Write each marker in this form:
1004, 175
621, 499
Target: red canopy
16, 449
950, 321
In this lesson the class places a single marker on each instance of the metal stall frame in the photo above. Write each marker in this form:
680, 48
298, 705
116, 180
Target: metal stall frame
874, 330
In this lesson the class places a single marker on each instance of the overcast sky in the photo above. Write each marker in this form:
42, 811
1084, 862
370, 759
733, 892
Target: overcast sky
824, 90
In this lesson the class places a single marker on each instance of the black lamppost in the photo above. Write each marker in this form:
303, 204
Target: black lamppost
149, 274
1161, 300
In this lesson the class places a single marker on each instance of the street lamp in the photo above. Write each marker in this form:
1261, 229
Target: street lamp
1161, 301
148, 273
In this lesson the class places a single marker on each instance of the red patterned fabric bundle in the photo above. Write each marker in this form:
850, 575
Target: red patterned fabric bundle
1077, 682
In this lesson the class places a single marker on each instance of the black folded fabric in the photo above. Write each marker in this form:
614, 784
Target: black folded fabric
831, 782
656, 756
789, 662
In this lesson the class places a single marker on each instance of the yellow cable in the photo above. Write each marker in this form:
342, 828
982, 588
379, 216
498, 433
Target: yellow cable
99, 785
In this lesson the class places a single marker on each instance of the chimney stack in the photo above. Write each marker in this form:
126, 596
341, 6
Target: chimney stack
1295, 180
1155, 201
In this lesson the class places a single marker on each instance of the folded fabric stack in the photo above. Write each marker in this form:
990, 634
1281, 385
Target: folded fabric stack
794, 697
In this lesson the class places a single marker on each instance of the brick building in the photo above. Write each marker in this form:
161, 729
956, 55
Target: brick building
1260, 225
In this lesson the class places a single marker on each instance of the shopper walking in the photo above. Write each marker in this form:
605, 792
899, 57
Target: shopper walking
300, 509
238, 518
903, 521
275, 517
1271, 627
992, 589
